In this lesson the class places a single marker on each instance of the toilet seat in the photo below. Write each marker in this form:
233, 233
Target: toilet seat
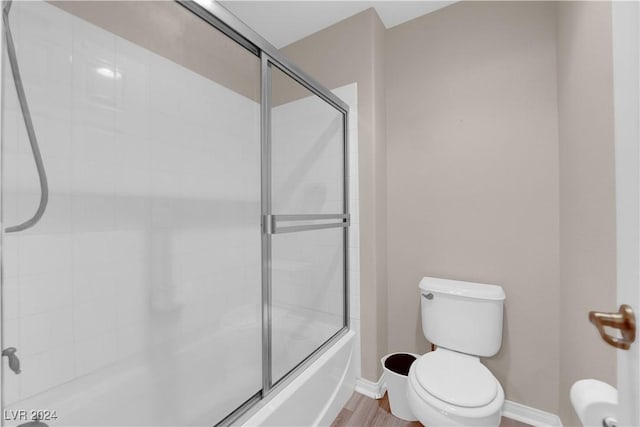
430, 409
434, 412
456, 378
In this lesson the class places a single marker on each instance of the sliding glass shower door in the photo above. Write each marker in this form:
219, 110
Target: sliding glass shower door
136, 299
308, 220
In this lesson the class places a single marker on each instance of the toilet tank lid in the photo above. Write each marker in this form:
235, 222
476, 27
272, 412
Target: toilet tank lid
460, 288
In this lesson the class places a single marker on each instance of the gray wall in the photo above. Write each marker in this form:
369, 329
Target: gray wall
473, 177
587, 192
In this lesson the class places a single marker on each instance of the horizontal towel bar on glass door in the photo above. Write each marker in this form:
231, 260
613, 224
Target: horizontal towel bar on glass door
272, 222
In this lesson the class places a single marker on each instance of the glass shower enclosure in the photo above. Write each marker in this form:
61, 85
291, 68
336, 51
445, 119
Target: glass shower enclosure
191, 253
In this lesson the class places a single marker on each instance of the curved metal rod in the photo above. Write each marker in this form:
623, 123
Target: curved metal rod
22, 98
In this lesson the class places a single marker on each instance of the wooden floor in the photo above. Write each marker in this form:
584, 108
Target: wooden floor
361, 410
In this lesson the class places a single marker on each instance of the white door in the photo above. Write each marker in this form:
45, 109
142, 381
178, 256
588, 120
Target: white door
626, 48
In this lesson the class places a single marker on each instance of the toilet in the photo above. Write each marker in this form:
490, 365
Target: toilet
450, 386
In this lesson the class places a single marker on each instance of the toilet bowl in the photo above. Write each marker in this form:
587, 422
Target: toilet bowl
450, 386
446, 388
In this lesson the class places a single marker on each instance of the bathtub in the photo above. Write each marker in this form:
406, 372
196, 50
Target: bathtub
146, 392
316, 395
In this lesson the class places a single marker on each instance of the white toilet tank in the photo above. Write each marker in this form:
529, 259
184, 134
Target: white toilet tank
462, 316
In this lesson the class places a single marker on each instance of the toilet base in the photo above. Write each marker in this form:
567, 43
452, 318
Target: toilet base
446, 415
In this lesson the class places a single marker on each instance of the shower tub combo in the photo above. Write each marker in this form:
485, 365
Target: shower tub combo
175, 222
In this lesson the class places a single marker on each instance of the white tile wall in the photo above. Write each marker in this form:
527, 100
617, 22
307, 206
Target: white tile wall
349, 94
151, 237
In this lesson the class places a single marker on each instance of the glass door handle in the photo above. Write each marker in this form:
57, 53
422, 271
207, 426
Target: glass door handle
624, 320
272, 223
14, 362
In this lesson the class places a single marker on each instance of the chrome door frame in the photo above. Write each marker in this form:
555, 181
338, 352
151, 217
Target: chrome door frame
269, 221
220, 18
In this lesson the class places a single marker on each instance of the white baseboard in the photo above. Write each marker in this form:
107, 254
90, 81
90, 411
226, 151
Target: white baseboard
374, 390
529, 415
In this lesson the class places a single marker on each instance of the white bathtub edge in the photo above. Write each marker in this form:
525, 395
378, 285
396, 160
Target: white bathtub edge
309, 399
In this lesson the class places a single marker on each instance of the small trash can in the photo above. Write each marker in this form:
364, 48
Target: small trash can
396, 370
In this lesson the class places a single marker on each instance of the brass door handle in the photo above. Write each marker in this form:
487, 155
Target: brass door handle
624, 320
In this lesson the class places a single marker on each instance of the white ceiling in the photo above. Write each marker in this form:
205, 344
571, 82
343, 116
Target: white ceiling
284, 22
